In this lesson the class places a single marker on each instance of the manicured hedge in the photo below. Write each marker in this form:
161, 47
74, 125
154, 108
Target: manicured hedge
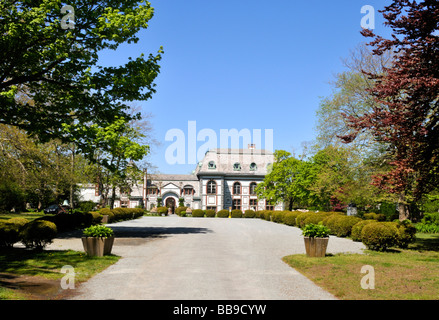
379, 235
10, 231
180, 210
38, 233
119, 214
249, 214
290, 218
197, 213
236, 213
358, 227
210, 213
162, 210
223, 213
383, 235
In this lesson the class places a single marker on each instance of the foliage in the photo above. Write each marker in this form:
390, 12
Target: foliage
290, 218
198, 213
10, 231
236, 213
38, 233
162, 210
249, 214
210, 213
98, 231
374, 216
379, 236
315, 231
406, 233
280, 184
405, 114
54, 88
223, 213
357, 228
180, 210
429, 223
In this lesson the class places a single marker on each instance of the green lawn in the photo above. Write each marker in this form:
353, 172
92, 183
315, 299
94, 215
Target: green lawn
412, 273
21, 266
27, 215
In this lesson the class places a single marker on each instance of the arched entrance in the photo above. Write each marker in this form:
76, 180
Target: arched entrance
170, 203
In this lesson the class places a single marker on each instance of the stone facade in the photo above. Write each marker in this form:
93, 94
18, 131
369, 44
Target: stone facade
224, 179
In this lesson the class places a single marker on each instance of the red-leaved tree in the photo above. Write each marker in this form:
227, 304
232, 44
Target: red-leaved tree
406, 113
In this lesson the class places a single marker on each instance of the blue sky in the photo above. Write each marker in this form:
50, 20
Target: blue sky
245, 64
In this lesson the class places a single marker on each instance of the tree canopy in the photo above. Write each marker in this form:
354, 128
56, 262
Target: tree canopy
51, 83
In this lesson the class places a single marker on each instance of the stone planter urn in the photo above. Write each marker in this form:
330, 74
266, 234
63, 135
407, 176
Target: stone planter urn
316, 247
98, 240
97, 246
316, 237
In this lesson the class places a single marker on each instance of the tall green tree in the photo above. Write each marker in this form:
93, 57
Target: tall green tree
51, 83
280, 185
117, 147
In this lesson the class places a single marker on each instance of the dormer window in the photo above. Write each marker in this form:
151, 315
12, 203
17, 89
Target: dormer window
253, 166
211, 165
237, 166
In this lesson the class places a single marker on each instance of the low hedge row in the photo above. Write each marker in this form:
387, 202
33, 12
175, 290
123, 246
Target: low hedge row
121, 214
373, 232
66, 222
36, 234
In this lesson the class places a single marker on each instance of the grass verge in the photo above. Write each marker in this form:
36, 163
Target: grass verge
27, 274
399, 274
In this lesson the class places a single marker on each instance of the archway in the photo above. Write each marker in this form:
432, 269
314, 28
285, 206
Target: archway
170, 203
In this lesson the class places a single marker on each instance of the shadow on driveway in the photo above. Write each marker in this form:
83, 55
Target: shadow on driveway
140, 232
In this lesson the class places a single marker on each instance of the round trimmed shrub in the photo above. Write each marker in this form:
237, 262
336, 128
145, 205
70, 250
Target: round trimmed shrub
344, 224
266, 214
38, 233
210, 213
315, 218
301, 218
379, 235
223, 213
290, 218
406, 233
162, 210
236, 213
10, 231
179, 210
96, 217
197, 213
109, 213
357, 228
331, 222
278, 216
249, 214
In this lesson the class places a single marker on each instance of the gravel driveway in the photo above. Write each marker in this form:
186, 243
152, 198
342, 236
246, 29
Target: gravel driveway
203, 258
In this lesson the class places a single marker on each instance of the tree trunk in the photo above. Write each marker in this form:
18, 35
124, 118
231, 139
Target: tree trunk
290, 204
113, 197
403, 208
72, 172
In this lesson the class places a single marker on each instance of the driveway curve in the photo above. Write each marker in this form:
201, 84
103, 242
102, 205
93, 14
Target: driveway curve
173, 258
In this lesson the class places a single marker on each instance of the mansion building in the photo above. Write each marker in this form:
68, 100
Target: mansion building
224, 179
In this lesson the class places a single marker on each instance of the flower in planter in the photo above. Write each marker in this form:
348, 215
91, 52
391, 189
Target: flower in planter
315, 231
98, 231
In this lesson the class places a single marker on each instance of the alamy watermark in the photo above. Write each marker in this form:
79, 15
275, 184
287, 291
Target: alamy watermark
68, 20
184, 148
368, 281
368, 20
68, 281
